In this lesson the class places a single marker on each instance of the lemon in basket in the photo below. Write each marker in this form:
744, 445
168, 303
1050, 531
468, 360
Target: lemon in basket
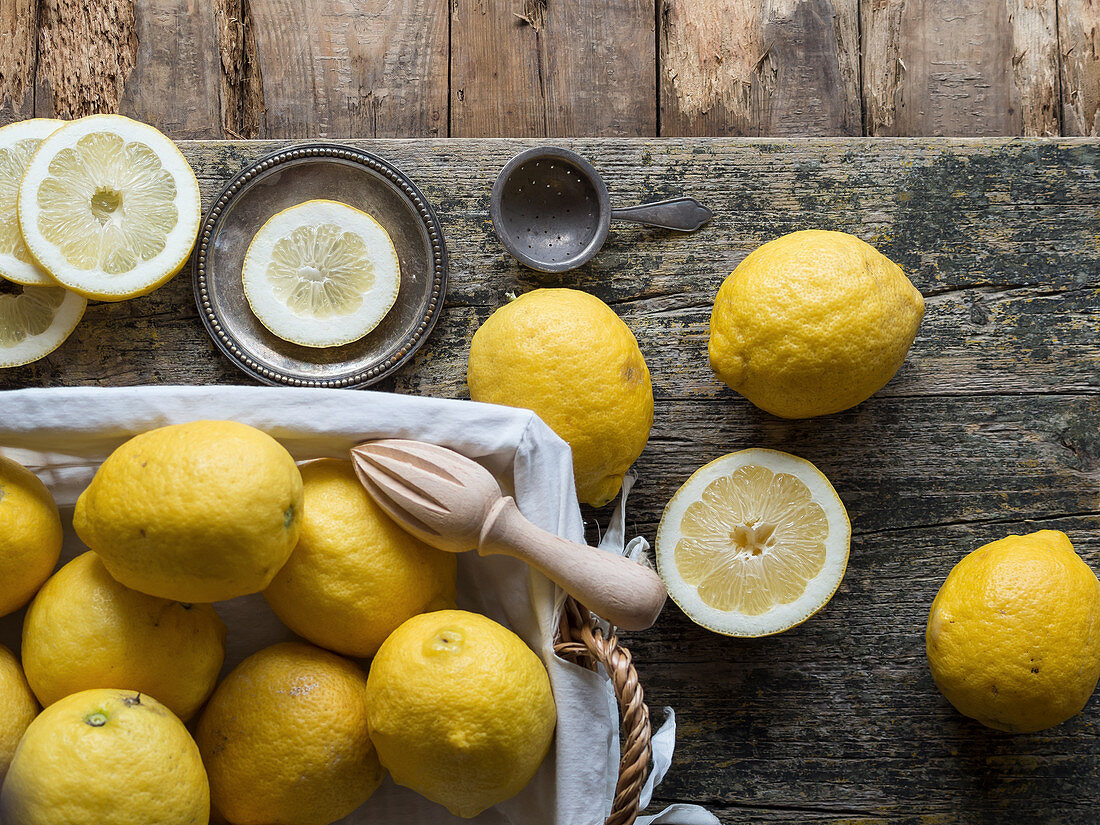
196, 512
754, 543
106, 757
19, 706
30, 535
284, 738
321, 274
354, 575
566, 355
109, 207
85, 630
1012, 634
18, 142
459, 709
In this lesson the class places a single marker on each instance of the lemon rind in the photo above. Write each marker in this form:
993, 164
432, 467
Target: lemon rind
178, 245
781, 617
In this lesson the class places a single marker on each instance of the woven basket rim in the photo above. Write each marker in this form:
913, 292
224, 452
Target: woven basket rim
582, 641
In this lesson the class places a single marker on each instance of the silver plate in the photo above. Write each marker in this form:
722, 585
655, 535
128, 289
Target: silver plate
287, 178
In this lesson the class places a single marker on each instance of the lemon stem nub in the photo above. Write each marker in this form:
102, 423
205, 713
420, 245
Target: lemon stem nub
97, 719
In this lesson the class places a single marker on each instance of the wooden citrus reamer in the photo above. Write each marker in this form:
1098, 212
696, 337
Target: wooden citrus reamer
453, 503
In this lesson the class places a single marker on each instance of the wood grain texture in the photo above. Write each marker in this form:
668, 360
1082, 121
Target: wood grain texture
343, 68
992, 426
242, 88
176, 77
549, 68
760, 67
86, 52
1079, 44
18, 52
960, 67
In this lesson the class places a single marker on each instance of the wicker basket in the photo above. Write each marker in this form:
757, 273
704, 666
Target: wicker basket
581, 641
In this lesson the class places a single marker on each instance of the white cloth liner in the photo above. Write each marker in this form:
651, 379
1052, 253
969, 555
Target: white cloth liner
64, 434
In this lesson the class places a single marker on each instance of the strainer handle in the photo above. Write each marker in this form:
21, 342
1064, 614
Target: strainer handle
681, 214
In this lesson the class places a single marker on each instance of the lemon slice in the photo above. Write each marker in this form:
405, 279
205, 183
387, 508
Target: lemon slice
35, 320
109, 207
754, 543
18, 142
321, 274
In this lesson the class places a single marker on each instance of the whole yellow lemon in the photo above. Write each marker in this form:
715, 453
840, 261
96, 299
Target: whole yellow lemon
460, 710
85, 630
30, 535
813, 323
19, 706
566, 355
284, 738
355, 575
195, 512
1013, 636
106, 757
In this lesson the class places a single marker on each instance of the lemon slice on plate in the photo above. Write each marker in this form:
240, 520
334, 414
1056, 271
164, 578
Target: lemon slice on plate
109, 207
18, 142
754, 543
321, 274
35, 320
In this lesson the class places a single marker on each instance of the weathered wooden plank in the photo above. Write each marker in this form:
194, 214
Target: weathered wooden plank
86, 52
341, 68
18, 52
1079, 43
972, 67
1001, 237
242, 94
159, 61
176, 79
539, 68
759, 67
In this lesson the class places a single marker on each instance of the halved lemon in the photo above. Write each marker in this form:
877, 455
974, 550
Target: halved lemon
35, 320
109, 207
754, 543
18, 142
321, 274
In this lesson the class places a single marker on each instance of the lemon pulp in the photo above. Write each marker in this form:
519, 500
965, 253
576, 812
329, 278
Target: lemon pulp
321, 271
35, 320
107, 203
754, 543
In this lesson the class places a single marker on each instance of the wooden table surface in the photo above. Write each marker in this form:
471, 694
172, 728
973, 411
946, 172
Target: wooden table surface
992, 426
489, 68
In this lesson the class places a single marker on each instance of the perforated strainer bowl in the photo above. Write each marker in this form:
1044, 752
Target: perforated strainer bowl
551, 210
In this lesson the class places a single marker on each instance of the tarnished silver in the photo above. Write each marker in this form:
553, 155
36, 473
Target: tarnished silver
285, 179
551, 210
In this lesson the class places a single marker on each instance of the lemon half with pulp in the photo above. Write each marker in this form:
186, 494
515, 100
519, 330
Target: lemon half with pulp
109, 207
18, 143
35, 320
321, 274
754, 543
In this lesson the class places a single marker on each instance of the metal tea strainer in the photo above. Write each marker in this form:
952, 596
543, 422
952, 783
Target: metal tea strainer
551, 210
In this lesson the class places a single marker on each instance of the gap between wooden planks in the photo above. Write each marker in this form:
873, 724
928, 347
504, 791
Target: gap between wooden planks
543, 68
